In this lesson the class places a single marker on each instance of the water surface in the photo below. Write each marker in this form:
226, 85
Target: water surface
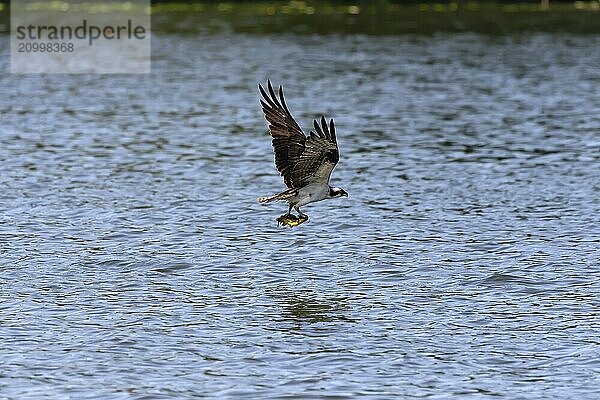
135, 263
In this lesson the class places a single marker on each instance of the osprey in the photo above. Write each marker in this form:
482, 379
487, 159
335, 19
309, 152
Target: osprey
305, 162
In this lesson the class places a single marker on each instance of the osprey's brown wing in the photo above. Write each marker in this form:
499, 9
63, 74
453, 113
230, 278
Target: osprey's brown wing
319, 158
288, 139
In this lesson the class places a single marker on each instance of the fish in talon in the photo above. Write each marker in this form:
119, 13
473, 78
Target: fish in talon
290, 220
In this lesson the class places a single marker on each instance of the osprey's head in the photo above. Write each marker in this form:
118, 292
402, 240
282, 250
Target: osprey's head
337, 192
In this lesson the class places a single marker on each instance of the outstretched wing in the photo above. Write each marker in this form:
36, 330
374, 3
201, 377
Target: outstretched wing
319, 158
288, 138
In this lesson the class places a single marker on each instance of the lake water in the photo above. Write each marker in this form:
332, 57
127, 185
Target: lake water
136, 264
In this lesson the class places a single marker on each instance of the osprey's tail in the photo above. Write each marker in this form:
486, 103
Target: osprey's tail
279, 196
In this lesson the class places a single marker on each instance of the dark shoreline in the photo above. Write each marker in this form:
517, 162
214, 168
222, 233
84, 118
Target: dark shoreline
366, 18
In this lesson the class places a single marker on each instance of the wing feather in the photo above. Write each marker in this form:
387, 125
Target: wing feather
301, 160
332, 131
319, 158
288, 139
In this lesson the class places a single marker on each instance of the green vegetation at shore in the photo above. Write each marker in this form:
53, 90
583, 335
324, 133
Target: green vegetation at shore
374, 17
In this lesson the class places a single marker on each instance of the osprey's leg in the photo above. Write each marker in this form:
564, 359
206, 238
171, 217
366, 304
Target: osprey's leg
300, 213
287, 218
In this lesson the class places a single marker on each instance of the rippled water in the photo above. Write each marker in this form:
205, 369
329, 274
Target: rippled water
135, 262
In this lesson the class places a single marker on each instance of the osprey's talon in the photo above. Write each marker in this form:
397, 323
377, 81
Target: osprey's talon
290, 220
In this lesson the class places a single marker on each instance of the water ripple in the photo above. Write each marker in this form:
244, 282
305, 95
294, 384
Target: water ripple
135, 262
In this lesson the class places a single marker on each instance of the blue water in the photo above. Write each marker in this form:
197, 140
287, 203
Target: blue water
135, 263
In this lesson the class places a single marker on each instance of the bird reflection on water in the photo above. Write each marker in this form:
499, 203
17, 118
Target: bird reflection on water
307, 306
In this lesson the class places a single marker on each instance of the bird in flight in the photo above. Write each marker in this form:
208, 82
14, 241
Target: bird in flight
305, 162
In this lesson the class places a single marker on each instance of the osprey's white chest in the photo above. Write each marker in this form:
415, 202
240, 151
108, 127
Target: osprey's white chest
310, 194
